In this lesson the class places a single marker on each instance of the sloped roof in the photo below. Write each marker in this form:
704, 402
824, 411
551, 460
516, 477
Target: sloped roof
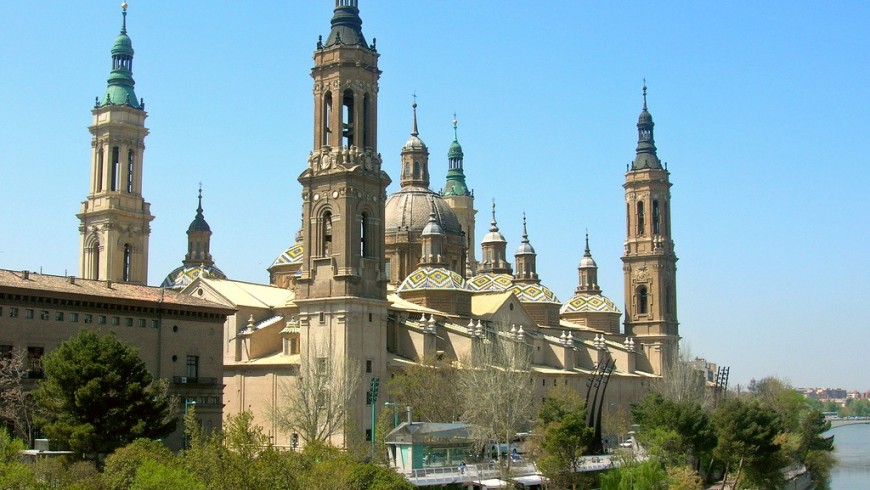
484, 305
239, 293
46, 283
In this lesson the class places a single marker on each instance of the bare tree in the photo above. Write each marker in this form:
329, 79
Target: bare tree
315, 404
495, 385
430, 388
16, 403
681, 382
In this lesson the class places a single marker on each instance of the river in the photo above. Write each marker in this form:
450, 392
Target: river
852, 449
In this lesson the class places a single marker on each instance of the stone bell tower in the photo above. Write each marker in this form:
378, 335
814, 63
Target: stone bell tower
649, 262
341, 292
115, 219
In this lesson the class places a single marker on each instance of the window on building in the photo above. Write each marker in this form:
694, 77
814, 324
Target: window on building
100, 162
641, 217
128, 322
192, 366
367, 138
58, 316
155, 323
13, 312
368, 365
322, 317
116, 164
141, 322
88, 318
326, 234
5, 352
44, 314
128, 257
348, 113
34, 361
322, 366
116, 320
642, 300
28, 313
73, 317
101, 319
368, 435
363, 235
130, 159
655, 218
327, 117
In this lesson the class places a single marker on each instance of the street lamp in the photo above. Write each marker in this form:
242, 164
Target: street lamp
395, 412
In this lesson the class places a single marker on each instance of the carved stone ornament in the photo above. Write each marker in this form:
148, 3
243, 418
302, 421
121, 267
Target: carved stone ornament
642, 273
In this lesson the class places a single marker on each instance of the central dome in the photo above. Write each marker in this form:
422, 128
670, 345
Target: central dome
409, 210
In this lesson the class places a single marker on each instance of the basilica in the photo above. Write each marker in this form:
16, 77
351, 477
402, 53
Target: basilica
382, 280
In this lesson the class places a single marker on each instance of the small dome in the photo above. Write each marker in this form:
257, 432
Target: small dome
455, 150
534, 293
493, 236
585, 303
586, 262
432, 227
184, 275
645, 117
429, 278
490, 283
291, 256
414, 143
409, 210
123, 45
199, 224
525, 248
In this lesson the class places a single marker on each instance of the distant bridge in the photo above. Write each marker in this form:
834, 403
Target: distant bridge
838, 422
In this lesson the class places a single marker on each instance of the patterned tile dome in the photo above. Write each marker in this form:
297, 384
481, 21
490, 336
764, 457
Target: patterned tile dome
491, 283
432, 278
292, 255
584, 303
184, 275
534, 293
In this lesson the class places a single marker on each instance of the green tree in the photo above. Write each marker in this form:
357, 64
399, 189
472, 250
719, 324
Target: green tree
121, 466
646, 475
747, 432
680, 431
152, 475
562, 423
98, 396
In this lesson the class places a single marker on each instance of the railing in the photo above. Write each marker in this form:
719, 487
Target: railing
187, 380
471, 473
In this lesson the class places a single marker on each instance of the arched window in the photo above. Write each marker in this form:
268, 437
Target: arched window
416, 170
95, 264
363, 235
640, 218
668, 298
655, 218
347, 117
128, 259
198, 250
116, 168
101, 160
642, 300
327, 118
326, 234
130, 156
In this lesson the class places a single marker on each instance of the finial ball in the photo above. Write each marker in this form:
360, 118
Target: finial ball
124, 5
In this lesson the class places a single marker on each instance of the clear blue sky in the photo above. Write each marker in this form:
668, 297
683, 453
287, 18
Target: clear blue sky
760, 109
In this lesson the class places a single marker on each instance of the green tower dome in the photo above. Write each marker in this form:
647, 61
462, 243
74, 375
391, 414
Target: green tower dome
455, 150
120, 90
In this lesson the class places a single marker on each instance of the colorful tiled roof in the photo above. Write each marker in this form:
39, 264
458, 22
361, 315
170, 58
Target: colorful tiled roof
490, 283
292, 255
432, 278
582, 303
184, 275
534, 293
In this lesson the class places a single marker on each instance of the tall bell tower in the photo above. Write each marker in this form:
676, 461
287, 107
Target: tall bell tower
649, 262
341, 292
115, 219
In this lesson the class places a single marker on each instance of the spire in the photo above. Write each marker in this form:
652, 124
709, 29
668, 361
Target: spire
455, 185
346, 25
494, 250
493, 225
415, 156
120, 90
198, 223
646, 146
414, 131
525, 247
432, 239
588, 272
526, 261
